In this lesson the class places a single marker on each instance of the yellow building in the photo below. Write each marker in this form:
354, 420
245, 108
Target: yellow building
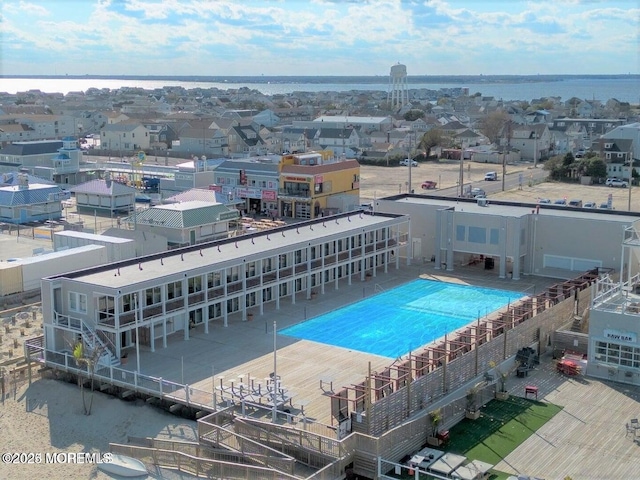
316, 184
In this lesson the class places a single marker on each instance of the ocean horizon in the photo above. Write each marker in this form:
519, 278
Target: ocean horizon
505, 87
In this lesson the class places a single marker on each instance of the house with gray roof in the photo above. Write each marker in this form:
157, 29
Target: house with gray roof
185, 223
210, 195
104, 195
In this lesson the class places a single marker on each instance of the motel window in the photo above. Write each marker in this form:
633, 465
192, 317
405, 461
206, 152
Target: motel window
251, 269
152, 296
77, 302
477, 235
494, 236
194, 284
174, 290
460, 233
127, 302
213, 279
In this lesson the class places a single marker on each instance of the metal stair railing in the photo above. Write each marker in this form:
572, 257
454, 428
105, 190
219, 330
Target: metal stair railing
89, 335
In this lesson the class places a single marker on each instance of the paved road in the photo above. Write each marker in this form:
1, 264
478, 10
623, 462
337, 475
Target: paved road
512, 181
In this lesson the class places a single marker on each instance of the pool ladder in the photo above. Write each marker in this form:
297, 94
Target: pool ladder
378, 288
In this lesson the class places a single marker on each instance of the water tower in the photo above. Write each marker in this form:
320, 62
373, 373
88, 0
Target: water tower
398, 94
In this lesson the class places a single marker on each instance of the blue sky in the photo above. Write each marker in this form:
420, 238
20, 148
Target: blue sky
318, 37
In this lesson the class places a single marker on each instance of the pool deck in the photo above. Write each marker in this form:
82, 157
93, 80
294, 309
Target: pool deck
586, 440
244, 350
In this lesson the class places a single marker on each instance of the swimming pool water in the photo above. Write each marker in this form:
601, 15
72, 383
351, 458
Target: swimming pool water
397, 321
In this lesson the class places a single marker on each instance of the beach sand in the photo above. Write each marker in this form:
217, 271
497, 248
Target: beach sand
48, 417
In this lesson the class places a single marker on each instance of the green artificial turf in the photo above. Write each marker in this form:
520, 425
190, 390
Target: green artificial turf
502, 427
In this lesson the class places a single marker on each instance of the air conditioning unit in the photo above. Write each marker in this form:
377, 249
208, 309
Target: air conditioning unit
482, 202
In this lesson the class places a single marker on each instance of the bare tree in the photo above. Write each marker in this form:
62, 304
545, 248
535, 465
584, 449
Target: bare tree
89, 360
429, 140
493, 125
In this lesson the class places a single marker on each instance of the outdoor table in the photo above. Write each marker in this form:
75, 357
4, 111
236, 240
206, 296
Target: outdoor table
430, 456
447, 463
474, 470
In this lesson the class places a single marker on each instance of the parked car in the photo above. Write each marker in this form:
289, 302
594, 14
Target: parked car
544, 200
491, 176
429, 185
575, 203
614, 182
605, 206
560, 201
476, 192
405, 162
590, 205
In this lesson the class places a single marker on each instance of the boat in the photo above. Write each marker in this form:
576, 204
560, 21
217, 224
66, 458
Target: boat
124, 466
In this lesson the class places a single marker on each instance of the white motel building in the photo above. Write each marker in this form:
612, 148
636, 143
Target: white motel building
164, 294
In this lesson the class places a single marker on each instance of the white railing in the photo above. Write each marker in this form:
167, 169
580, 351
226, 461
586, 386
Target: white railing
89, 335
146, 384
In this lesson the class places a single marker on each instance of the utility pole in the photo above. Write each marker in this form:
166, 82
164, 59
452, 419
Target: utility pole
535, 148
410, 164
630, 180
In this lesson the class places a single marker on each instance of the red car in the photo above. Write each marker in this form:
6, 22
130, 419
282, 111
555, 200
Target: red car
428, 185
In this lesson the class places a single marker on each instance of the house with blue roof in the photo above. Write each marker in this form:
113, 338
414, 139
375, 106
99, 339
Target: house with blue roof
27, 202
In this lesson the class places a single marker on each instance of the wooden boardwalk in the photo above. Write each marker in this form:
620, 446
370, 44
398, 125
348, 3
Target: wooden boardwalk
587, 440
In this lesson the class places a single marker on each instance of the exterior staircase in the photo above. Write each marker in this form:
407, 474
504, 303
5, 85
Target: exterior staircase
91, 338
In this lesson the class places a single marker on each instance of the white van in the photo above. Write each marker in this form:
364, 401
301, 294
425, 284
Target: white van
491, 176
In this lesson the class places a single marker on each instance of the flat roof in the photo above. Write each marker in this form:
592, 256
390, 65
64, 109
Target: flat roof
91, 236
513, 209
60, 254
249, 246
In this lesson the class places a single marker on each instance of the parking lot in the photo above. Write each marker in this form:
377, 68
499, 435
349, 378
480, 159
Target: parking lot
378, 182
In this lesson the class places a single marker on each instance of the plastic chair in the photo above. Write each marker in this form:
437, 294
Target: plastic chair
630, 429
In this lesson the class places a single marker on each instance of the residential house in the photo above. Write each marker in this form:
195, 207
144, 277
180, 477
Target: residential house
124, 137
616, 153
267, 118
533, 141
210, 142
296, 140
245, 141
35, 127
337, 139
366, 124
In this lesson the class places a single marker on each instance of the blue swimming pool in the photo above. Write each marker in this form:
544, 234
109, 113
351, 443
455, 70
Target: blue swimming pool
397, 321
